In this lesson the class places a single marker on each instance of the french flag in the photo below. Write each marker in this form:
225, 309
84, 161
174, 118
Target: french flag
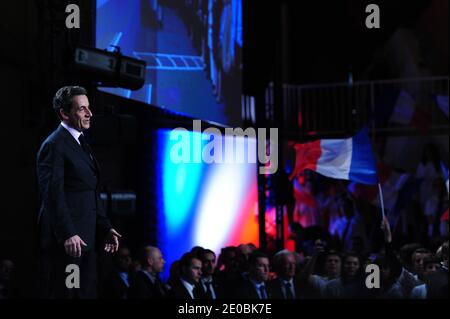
350, 159
406, 112
398, 190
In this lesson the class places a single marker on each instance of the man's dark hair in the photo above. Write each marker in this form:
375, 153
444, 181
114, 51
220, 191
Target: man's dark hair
352, 254
406, 252
431, 259
360, 260
186, 260
143, 254
64, 97
333, 253
421, 251
253, 259
207, 251
197, 251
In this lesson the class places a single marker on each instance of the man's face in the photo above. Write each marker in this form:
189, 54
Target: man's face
418, 262
124, 259
351, 266
288, 266
157, 261
209, 264
194, 272
80, 114
245, 251
230, 261
333, 266
261, 269
430, 269
6, 268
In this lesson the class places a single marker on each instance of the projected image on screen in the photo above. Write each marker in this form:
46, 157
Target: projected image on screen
209, 205
193, 51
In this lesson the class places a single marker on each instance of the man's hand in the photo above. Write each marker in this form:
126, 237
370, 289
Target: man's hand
73, 246
112, 241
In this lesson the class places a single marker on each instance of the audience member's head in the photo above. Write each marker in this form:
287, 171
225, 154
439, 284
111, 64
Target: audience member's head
227, 259
417, 260
122, 259
152, 259
285, 264
197, 251
333, 262
190, 268
430, 264
259, 266
352, 265
406, 252
6, 269
243, 252
252, 246
209, 263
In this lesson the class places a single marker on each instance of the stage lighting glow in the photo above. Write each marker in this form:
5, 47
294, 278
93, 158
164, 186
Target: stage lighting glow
180, 183
209, 205
219, 206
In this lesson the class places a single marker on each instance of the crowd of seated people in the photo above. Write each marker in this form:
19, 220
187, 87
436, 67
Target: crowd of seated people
411, 271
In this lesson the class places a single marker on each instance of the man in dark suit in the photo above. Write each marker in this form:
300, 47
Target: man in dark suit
186, 286
116, 284
255, 285
146, 284
210, 286
71, 214
285, 286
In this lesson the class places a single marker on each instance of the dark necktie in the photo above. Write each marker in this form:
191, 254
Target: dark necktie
209, 293
287, 288
196, 292
85, 146
262, 292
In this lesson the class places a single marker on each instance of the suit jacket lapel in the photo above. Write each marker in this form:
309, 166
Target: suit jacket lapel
77, 147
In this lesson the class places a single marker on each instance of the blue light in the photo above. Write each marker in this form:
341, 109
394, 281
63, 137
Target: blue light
180, 187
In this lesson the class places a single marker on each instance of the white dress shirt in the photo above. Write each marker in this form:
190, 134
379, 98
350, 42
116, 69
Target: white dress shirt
283, 287
204, 282
189, 287
76, 134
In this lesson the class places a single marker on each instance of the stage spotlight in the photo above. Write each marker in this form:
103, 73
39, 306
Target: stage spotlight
110, 69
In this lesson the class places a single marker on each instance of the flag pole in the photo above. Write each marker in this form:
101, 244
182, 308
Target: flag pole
380, 191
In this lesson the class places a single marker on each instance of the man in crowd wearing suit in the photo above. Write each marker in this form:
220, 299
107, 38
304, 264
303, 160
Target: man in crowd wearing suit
190, 272
255, 285
117, 282
285, 286
71, 215
147, 284
210, 285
